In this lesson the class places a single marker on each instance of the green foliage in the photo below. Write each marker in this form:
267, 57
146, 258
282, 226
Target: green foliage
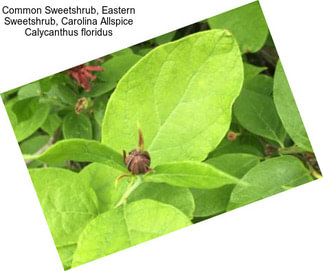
51, 124
163, 100
179, 197
102, 179
247, 24
235, 164
118, 66
77, 126
288, 111
269, 178
257, 113
217, 120
214, 201
190, 174
127, 226
165, 38
69, 204
250, 71
29, 91
29, 115
81, 150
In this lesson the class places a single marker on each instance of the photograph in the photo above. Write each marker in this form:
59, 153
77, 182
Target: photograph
161, 135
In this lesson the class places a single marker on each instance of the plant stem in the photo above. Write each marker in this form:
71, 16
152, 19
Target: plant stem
129, 190
291, 150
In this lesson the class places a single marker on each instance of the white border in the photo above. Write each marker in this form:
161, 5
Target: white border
283, 232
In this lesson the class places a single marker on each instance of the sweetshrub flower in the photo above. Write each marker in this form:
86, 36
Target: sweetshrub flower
82, 74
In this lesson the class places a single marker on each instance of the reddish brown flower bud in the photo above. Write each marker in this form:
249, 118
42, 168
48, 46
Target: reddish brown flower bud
232, 136
138, 160
81, 105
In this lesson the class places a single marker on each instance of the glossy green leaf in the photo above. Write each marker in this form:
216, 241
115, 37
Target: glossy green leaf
251, 71
257, 113
77, 126
96, 130
66, 254
33, 144
12, 116
242, 144
102, 179
62, 93
68, 203
247, 24
82, 150
198, 75
261, 84
165, 38
210, 202
179, 197
190, 174
124, 51
235, 164
99, 88
126, 226
287, 110
29, 91
99, 109
144, 51
268, 178
51, 124
117, 66
214, 201
30, 115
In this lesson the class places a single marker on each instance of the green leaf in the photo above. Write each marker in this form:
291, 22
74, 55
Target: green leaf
33, 144
51, 124
116, 67
210, 202
144, 51
68, 203
66, 254
30, 116
124, 51
64, 93
190, 174
12, 116
100, 105
257, 113
96, 130
102, 179
235, 164
165, 38
29, 91
82, 150
251, 71
200, 74
287, 110
243, 144
127, 226
77, 126
268, 178
214, 201
246, 23
179, 197
261, 84
99, 88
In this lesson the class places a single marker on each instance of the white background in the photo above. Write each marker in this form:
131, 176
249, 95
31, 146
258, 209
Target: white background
283, 232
